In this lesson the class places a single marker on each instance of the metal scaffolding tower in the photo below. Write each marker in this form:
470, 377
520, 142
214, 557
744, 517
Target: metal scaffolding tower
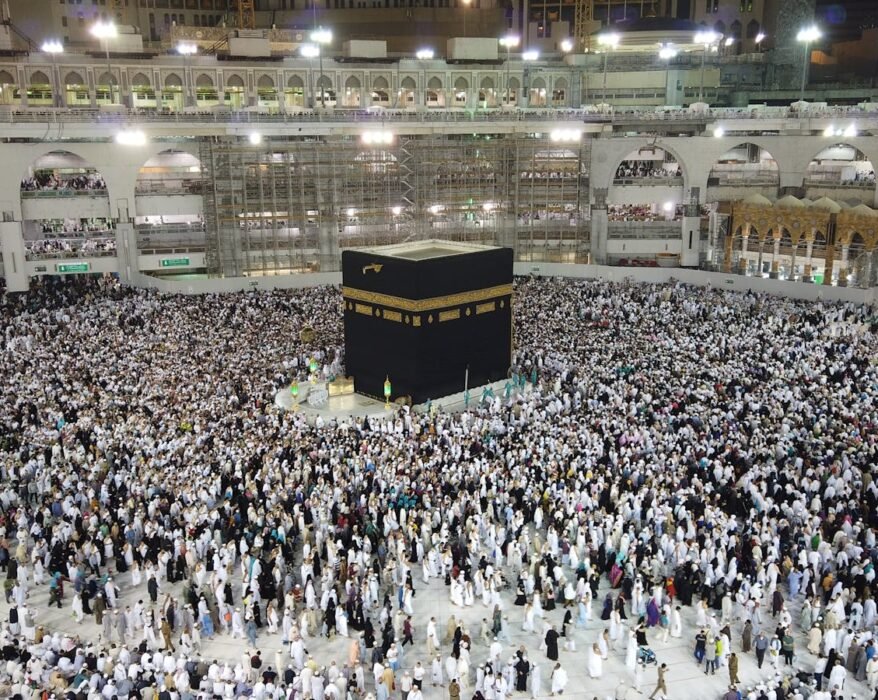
293, 205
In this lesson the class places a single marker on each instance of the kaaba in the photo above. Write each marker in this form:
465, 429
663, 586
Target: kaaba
429, 316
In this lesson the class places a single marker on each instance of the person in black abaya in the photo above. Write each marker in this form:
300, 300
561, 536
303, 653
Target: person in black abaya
552, 644
522, 669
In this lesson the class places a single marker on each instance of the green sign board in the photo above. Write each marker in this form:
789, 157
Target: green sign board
175, 262
72, 267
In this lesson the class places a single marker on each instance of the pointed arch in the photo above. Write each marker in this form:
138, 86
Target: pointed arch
39, 78
408, 84
461, 83
487, 83
265, 82
204, 81
352, 83
140, 80
6, 78
172, 80
235, 81
380, 83
72, 78
295, 82
434, 83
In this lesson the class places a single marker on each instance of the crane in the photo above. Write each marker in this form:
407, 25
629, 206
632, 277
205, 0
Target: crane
582, 23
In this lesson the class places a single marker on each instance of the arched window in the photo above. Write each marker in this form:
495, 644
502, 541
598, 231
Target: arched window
752, 29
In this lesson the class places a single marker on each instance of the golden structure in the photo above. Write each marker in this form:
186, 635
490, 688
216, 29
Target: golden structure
821, 230
246, 14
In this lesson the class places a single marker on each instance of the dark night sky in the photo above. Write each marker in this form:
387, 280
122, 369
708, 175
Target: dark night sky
845, 20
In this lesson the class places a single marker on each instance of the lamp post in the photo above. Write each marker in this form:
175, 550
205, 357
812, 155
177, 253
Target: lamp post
528, 57
465, 8
706, 39
508, 42
425, 54
310, 51
106, 31
321, 37
807, 36
609, 42
53, 48
758, 40
187, 50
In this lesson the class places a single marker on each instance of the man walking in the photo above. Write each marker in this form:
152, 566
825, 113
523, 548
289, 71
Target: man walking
660, 686
761, 646
733, 668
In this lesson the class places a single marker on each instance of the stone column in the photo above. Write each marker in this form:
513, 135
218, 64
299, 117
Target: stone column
775, 263
599, 227
742, 261
126, 252
12, 245
809, 252
843, 267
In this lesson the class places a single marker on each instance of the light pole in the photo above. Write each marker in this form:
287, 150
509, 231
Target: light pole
321, 37
310, 51
758, 41
508, 42
529, 57
609, 42
706, 39
465, 8
424, 55
187, 50
807, 36
106, 31
53, 48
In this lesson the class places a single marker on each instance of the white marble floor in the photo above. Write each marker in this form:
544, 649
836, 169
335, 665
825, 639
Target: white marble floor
685, 679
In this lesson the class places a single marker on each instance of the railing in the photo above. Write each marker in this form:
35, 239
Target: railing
62, 192
745, 178
160, 187
147, 230
78, 247
172, 248
627, 115
830, 181
649, 181
643, 230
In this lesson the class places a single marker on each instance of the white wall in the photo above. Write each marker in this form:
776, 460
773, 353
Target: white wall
239, 284
73, 207
36, 268
154, 262
644, 194
633, 248
719, 280
169, 205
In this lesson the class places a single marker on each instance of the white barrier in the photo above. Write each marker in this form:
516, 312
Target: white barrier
718, 280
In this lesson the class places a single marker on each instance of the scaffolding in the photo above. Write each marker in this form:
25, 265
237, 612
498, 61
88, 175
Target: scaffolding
293, 205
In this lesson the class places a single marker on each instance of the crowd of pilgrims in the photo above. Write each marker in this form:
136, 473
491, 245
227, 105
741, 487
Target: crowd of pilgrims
43, 180
668, 462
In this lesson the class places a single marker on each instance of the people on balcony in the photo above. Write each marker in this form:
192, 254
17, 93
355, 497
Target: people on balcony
47, 180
